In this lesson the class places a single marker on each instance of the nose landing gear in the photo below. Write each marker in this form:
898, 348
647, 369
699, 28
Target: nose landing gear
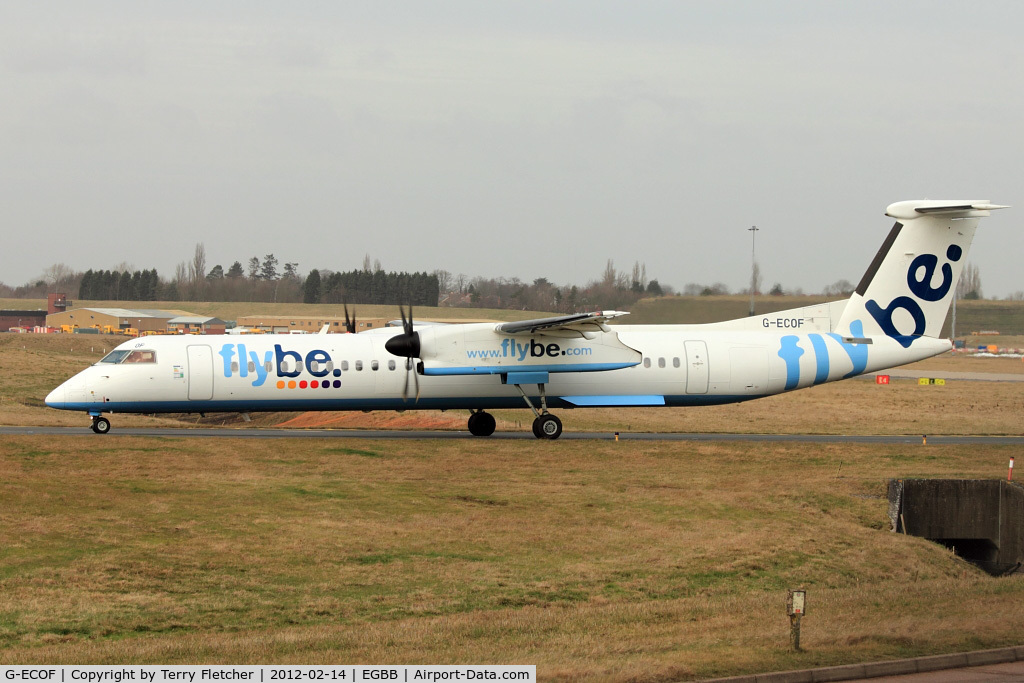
100, 424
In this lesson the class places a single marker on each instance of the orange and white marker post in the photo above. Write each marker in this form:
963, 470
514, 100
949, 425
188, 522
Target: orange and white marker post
1009, 476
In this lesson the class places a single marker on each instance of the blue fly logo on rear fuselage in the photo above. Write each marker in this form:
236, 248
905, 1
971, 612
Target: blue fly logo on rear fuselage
791, 352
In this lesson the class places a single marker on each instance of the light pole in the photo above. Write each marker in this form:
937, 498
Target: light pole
753, 266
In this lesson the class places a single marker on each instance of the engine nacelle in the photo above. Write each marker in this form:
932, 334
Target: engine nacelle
480, 350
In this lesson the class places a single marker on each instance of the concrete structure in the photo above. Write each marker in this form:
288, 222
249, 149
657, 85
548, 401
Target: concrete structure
196, 324
144, 320
981, 520
57, 303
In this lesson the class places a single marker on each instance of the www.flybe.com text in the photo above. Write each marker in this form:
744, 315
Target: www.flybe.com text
510, 348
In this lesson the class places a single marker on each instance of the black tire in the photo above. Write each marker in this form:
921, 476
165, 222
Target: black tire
481, 424
547, 427
101, 425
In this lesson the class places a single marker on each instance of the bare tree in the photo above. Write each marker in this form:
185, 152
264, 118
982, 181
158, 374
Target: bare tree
444, 281
197, 273
609, 276
58, 275
969, 286
839, 288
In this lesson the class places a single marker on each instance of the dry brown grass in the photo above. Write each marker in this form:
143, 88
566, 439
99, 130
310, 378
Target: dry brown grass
594, 560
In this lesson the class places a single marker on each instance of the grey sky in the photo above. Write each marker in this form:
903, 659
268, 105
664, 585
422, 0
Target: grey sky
520, 139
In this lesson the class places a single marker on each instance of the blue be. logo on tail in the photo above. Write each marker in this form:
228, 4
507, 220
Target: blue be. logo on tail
925, 265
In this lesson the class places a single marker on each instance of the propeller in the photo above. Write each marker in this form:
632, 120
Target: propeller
407, 345
350, 324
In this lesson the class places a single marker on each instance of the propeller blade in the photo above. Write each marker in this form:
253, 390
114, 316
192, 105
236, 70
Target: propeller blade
416, 378
405, 387
350, 324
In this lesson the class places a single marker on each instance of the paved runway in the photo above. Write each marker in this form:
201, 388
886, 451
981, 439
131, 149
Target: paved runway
270, 433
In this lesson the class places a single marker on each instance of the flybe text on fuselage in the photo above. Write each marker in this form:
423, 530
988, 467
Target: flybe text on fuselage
237, 359
519, 351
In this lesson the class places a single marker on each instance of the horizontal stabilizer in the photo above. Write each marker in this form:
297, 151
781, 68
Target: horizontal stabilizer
975, 208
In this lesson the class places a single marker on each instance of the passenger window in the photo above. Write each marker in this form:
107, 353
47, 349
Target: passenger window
314, 366
374, 365
268, 366
675, 362
252, 366
661, 362
330, 366
344, 366
234, 366
647, 362
359, 365
391, 365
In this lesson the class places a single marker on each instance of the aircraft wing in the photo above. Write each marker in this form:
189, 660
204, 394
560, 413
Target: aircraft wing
578, 322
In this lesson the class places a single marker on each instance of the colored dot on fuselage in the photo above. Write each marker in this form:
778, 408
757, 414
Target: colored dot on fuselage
337, 372
280, 384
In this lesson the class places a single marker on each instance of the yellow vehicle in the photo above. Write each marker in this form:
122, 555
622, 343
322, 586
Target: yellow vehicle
129, 331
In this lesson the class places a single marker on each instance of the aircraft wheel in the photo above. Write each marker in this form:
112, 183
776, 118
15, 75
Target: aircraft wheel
547, 427
481, 424
101, 425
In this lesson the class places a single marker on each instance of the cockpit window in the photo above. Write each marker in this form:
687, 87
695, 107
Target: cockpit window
128, 356
141, 356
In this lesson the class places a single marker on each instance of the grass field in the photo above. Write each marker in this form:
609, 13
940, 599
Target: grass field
595, 561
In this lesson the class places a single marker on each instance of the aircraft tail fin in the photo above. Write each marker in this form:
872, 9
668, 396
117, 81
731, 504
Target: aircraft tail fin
907, 290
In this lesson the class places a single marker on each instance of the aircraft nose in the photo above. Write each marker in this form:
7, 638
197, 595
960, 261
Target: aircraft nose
57, 398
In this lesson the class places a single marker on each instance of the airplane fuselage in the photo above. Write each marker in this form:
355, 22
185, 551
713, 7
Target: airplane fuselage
677, 365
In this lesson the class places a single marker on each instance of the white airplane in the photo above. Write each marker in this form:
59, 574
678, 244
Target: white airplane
573, 361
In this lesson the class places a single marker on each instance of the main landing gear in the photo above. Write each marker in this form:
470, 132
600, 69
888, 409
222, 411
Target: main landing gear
545, 425
100, 424
481, 423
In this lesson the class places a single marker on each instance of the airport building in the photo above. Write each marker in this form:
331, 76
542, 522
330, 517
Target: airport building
196, 324
28, 319
143, 320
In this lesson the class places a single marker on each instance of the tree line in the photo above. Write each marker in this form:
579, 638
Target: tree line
268, 280
366, 287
